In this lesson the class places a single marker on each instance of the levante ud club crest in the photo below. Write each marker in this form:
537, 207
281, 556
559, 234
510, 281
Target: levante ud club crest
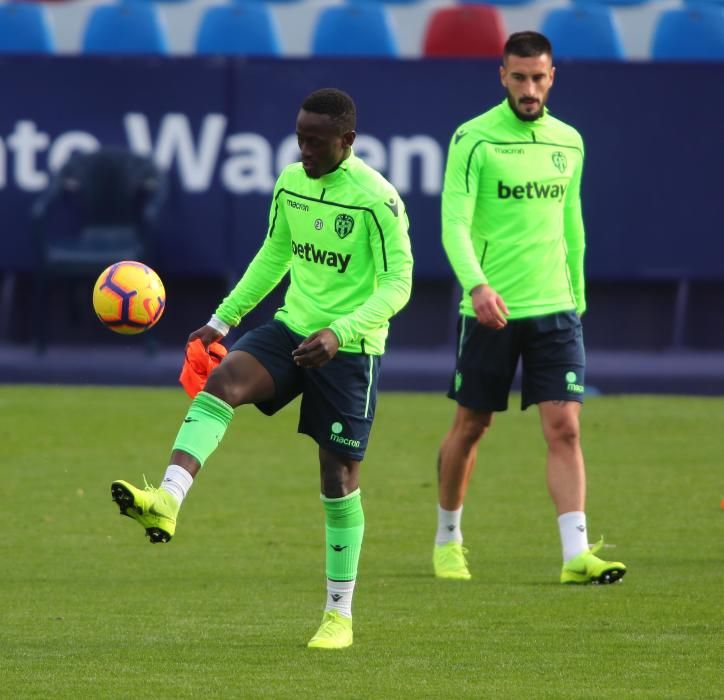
559, 160
343, 225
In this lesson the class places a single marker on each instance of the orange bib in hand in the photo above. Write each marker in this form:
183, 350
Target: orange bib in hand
198, 365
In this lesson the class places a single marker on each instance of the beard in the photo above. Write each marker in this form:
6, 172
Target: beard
526, 116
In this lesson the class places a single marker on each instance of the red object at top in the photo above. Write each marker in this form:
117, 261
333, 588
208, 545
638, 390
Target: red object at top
473, 31
198, 365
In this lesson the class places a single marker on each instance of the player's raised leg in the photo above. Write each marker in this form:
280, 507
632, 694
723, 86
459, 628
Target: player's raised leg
239, 379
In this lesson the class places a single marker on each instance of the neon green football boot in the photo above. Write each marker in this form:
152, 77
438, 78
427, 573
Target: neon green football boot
155, 509
335, 632
449, 562
586, 567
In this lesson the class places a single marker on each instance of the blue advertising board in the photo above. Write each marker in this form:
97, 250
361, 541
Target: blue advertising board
223, 128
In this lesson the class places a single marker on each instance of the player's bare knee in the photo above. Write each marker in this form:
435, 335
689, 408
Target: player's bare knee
230, 386
219, 384
564, 433
339, 475
338, 485
471, 427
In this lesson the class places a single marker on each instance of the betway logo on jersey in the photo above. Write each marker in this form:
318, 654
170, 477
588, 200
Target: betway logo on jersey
531, 190
310, 253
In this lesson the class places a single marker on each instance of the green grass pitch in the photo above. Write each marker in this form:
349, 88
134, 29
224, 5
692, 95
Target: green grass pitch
89, 609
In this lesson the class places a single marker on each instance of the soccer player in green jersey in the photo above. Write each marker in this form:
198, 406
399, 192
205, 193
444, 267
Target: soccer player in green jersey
513, 232
341, 231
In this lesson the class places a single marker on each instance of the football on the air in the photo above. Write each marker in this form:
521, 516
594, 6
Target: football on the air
129, 297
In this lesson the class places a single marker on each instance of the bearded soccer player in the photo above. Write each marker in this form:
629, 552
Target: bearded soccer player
341, 231
513, 232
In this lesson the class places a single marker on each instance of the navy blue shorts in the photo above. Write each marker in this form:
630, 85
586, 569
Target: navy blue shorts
338, 400
550, 348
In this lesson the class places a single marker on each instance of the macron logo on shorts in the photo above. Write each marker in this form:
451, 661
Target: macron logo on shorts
336, 436
571, 383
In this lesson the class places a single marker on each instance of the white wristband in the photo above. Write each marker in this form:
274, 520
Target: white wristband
218, 325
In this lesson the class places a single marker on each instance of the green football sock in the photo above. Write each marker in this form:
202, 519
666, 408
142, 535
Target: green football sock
204, 426
345, 526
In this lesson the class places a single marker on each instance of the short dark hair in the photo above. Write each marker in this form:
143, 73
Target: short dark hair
527, 44
337, 104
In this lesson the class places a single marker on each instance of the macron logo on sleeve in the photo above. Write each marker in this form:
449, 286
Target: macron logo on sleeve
392, 206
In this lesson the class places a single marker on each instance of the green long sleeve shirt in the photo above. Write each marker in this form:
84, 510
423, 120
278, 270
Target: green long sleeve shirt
344, 239
511, 212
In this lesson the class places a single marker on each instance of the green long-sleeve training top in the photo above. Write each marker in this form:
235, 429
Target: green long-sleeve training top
511, 212
344, 239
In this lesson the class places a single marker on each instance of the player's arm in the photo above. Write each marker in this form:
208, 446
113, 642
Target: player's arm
575, 236
392, 258
459, 195
264, 272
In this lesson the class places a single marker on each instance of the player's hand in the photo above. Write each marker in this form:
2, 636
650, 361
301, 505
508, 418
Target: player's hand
207, 334
317, 349
489, 307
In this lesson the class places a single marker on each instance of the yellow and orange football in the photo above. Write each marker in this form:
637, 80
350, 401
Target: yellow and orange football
129, 297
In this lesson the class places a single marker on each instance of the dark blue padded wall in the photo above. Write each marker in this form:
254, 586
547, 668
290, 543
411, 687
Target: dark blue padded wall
652, 185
